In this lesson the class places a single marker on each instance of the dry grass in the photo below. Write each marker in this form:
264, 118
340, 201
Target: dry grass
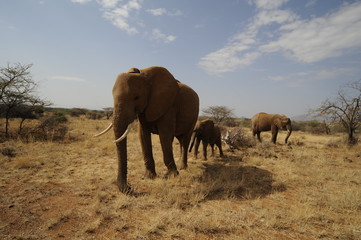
308, 189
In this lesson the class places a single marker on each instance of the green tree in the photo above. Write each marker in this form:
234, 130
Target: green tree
219, 113
17, 88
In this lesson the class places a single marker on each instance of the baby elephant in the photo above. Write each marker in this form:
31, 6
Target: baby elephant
209, 133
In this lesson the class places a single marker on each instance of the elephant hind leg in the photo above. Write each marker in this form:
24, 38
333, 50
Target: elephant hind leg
212, 148
184, 144
219, 145
259, 136
205, 145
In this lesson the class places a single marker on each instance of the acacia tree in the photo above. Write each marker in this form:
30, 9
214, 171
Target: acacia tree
218, 113
345, 108
17, 88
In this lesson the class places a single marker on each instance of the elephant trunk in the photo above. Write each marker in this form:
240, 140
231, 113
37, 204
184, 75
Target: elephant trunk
289, 131
120, 126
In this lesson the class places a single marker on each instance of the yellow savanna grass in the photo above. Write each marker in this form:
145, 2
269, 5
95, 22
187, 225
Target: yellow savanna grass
307, 189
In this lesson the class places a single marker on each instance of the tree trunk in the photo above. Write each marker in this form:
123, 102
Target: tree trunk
351, 139
21, 125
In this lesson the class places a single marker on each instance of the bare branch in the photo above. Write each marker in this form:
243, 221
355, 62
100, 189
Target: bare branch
345, 108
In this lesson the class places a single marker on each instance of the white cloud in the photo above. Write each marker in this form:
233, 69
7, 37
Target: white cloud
157, 11
118, 15
303, 40
123, 15
80, 1
67, 78
159, 36
108, 3
268, 4
242, 50
321, 38
163, 11
298, 79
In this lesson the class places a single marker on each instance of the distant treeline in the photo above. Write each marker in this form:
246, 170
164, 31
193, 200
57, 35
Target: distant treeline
312, 126
77, 112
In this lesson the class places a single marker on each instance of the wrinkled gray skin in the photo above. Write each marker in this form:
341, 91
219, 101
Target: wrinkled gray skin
262, 122
209, 133
163, 106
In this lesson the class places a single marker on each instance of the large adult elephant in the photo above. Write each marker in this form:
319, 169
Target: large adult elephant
209, 133
262, 122
163, 106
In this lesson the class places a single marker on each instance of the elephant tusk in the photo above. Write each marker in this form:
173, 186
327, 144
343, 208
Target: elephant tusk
106, 130
123, 136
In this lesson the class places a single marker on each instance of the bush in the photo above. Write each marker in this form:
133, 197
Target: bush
95, 115
313, 126
77, 112
8, 152
236, 139
51, 128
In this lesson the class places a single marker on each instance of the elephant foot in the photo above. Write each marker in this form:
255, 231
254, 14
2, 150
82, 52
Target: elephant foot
171, 173
124, 188
183, 166
149, 174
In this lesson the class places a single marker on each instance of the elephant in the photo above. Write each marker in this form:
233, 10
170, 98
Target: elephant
209, 133
264, 122
163, 106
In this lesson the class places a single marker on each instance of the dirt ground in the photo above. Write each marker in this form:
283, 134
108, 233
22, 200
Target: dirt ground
307, 189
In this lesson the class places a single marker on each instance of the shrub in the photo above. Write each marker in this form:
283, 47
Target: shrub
94, 115
236, 139
8, 152
76, 112
51, 128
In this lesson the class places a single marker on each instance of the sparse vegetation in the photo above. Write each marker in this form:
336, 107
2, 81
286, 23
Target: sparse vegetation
222, 115
307, 189
345, 109
17, 94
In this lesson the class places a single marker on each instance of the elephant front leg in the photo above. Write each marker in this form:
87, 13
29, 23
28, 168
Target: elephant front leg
219, 145
196, 146
212, 149
146, 143
205, 144
274, 135
259, 136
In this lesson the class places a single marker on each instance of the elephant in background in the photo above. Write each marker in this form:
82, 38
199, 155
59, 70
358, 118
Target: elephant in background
163, 106
262, 122
209, 133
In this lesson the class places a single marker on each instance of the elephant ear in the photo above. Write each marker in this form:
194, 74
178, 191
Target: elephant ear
278, 122
163, 92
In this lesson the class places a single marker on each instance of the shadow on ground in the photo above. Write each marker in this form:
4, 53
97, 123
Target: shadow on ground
233, 181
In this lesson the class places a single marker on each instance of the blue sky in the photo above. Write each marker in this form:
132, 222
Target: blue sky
277, 56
